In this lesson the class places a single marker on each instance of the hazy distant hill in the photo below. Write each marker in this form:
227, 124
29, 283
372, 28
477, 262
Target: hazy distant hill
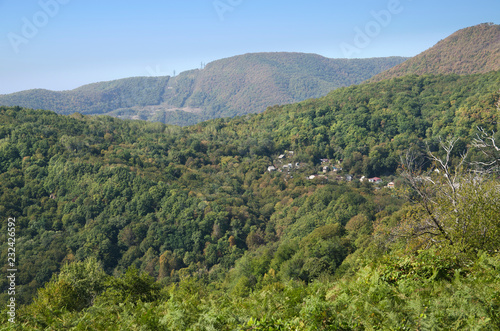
97, 98
468, 51
234, 86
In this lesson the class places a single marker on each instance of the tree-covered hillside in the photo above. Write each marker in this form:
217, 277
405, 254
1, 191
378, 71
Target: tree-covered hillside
98, 98
467, 51
234, 86
130, 224
252, 82
367, 126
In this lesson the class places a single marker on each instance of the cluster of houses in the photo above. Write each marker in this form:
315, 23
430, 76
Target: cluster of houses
283, 164
348, 178
377, 180
286, 167
326, 166
374, 180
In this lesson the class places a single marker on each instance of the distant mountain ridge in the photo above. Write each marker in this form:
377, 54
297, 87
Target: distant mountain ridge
233, 86
471, 50
255, 81
96, 98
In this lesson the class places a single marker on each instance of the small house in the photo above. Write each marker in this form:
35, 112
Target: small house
271, 168
375, 180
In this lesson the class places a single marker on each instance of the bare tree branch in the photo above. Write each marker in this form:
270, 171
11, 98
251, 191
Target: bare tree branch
427, 188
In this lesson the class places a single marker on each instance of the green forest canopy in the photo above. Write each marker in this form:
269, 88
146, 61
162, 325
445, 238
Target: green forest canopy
180, 216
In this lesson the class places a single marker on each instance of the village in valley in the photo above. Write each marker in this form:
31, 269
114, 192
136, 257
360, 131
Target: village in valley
327, 170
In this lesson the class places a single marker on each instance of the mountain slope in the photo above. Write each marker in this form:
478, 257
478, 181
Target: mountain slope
234, 86
165, 198
249, 83
471, 50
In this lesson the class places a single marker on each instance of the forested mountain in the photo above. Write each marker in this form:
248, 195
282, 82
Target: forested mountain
234, 86
250, 83
468, 51
130, 224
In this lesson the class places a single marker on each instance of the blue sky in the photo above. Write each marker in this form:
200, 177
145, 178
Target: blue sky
63, 44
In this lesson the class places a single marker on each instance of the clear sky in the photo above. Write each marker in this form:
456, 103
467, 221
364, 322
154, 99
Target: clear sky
63, 44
